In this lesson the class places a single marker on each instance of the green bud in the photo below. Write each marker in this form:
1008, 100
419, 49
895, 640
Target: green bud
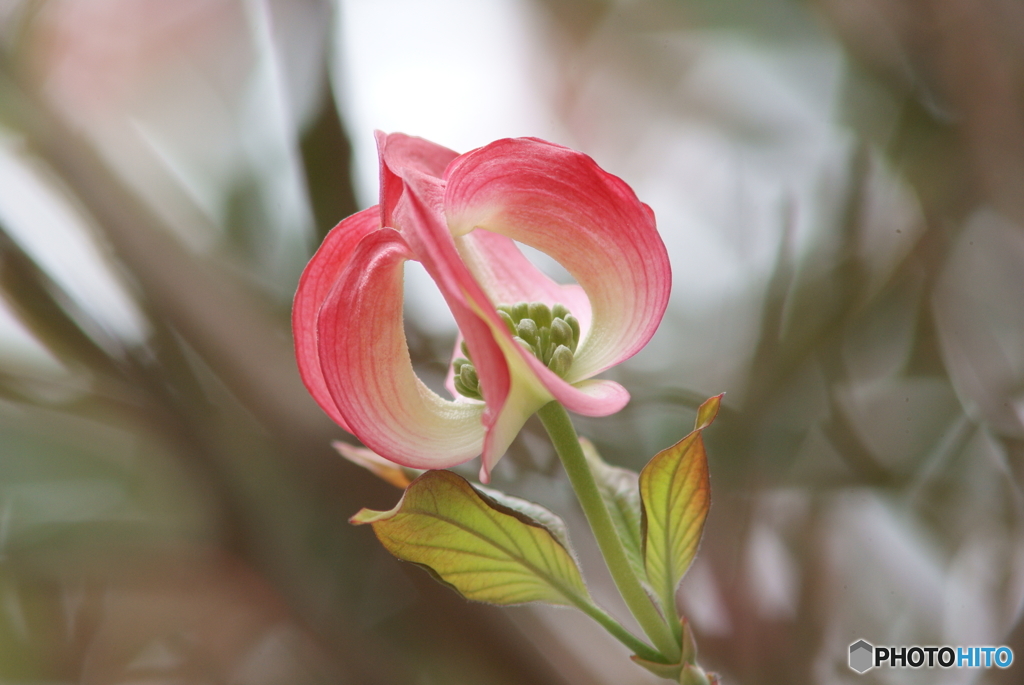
527, 330
551, 334
527, 346
520, 311
544, 344
561, 360
509, 323
540, 313
574, 324
466, 381
460, 387
693, 675
467, 374
561, 333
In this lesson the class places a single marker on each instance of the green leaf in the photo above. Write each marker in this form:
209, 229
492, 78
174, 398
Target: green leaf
675, 493
486, 551
531, 510
621, 494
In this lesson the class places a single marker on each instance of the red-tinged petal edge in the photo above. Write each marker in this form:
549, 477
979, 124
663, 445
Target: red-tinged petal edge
314, 285
560, 202
368, 372
399, 155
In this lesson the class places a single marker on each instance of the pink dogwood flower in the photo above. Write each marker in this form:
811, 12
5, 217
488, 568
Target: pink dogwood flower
524, 339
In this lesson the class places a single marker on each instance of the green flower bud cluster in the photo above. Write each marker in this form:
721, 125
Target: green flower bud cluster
550, 334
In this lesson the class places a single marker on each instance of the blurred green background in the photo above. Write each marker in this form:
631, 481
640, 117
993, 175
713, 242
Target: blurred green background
840, 184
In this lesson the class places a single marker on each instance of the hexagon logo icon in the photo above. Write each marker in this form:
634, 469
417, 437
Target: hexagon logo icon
861, 656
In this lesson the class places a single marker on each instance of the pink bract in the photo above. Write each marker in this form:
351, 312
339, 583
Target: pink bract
459, 216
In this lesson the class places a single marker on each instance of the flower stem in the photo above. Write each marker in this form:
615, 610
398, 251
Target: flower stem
563, 437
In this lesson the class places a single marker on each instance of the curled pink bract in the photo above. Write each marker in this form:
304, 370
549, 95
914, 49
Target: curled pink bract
459, 216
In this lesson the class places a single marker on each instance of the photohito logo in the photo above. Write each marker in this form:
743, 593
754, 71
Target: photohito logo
865, 656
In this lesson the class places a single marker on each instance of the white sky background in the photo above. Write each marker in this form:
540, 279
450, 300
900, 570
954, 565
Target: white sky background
451, 71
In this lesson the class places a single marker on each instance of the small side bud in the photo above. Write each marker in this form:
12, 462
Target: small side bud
694, 675
561, 360
467, 374
466, 382
461, 388
465, 350
559, 311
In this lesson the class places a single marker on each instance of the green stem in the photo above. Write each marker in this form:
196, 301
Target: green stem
674, 619
567, 445
639, 647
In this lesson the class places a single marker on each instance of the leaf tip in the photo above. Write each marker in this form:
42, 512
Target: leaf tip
364, 516
707, 412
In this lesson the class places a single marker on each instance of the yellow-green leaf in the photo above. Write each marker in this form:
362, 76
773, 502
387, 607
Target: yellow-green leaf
537, 514
486, 551
707, 412
676, 494
621, 494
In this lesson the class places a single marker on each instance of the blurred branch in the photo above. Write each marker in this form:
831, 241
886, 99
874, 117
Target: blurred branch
224, 323
959, 64
49, 314
327, 154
